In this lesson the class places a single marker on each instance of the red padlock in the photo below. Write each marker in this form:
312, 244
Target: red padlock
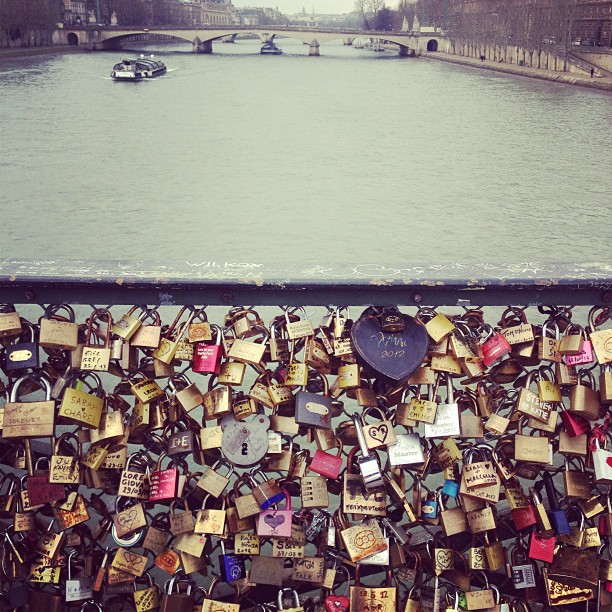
574, 424
326, 464
494, 347
524, 517
339, 603
541, 548
207, 357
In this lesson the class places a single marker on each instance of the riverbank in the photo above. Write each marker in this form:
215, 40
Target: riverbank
32, 51
569, 78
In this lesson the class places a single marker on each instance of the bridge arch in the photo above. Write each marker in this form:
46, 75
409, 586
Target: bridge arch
432, 45
72, 39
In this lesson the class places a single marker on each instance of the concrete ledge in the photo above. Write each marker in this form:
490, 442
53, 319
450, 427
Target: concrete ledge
604, 84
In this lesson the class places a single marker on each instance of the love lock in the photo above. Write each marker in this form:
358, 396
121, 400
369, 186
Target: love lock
390, 355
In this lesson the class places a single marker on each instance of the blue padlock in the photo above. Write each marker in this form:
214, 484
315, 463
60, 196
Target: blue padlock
231, 565
430, 507
451, 488
558, 518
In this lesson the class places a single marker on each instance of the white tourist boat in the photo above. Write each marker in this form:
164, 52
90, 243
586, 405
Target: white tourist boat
138, 69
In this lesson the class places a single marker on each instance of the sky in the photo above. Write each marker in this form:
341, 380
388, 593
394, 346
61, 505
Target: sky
289, 7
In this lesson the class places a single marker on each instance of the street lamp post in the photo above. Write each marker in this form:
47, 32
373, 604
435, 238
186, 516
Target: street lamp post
98, 10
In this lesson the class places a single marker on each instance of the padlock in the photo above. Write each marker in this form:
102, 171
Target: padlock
77, 589
170, 339
23, 353
312, 409
575, 567
146, 390
10, 322
79, 407
267, 492
338, 603
97, 357
147, 598
211, 520
129, 324
295, 601
164, 482
65, 469
495, 552
430, 508
558, 517
523, 575
368, 463
421, 409
56, 331
45, 599
381, 433
584, 398
326, 464
577, 483
148, 336
212, 481
531, 450
29, 419
250, 351
601, 339
245, 443
231, 565
207, 357
529, 403
453, 520
548, 343
494, 346
447, 423
572, 340
181, 522
175, 598
274, 522
179, 438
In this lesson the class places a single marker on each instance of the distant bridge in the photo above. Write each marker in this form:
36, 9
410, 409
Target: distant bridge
110, 37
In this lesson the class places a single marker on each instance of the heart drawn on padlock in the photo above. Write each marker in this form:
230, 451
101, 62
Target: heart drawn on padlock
274, 520
609, 461
444, 559
126, 520
379, 433
132, 558
394, 355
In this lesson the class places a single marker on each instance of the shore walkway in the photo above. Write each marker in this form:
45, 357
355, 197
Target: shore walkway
569, 78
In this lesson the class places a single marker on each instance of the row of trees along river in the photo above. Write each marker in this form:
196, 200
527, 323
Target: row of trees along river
525, 23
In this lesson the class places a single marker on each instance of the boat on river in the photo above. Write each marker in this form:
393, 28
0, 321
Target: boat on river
269, 48
138, 69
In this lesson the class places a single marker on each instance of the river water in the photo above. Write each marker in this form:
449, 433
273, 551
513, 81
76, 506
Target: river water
351, 156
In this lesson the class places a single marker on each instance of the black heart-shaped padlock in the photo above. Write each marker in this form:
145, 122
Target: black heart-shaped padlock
392, 355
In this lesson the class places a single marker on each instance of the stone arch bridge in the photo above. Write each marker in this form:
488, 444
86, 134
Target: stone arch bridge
110, 37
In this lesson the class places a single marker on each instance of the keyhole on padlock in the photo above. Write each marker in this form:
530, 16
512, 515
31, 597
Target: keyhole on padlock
245, 449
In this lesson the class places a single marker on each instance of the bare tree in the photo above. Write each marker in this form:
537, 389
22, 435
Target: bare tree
361, 8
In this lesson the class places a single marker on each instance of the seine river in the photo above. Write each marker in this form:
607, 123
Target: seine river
351, 156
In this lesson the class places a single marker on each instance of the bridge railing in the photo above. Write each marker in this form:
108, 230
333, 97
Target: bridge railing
320, 294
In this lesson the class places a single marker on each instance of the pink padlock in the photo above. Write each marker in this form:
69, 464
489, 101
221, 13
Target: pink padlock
207, 357
164, 483
584, 356
276, 523
326, 464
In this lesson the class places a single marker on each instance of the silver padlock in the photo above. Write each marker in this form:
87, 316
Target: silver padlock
369, 466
